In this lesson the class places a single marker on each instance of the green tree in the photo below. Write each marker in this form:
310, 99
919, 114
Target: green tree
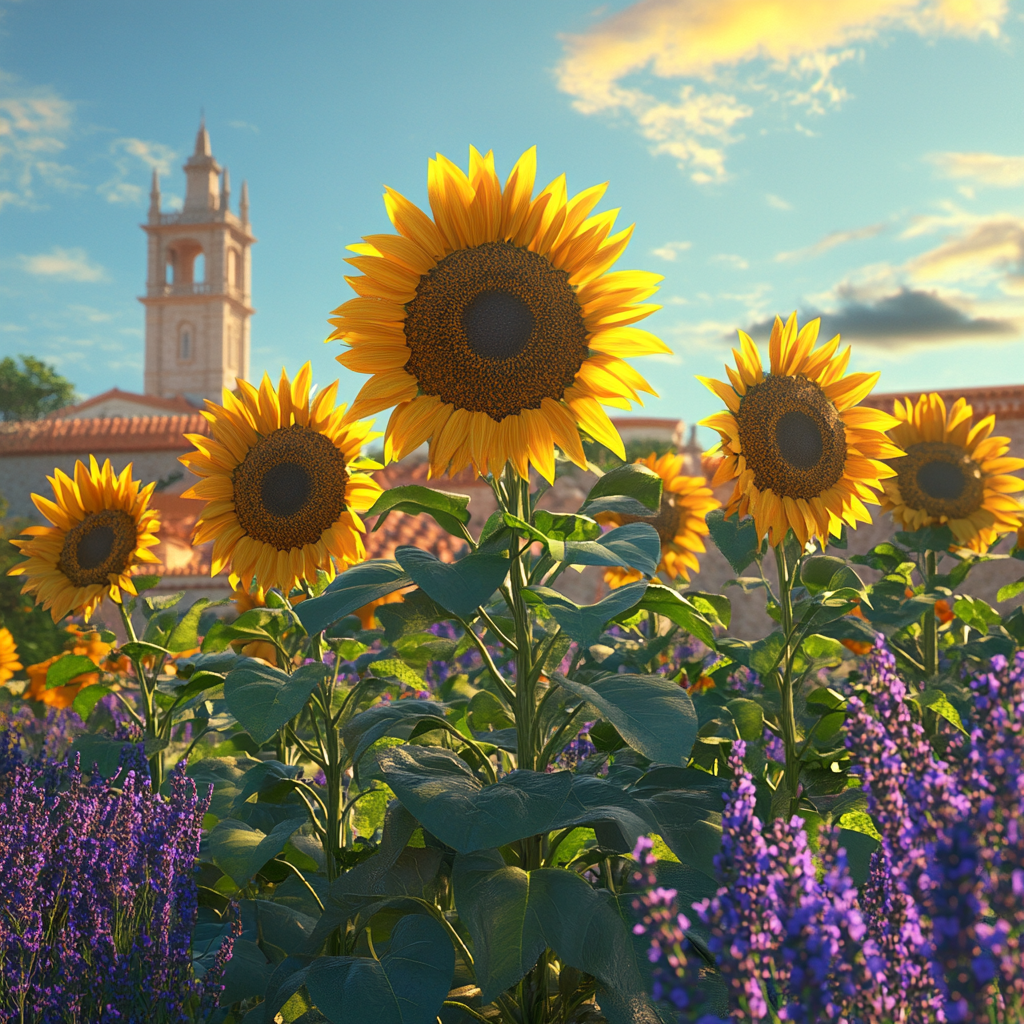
33, 390
35, 633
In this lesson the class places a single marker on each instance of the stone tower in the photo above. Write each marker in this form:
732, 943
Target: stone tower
198, 285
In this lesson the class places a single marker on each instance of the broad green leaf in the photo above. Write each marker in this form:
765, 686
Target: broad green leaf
716, 608
264, 698
225, 775
415, 613
749, 718
817, 571
1011, 590
184, 636
100, 752
139, 649
676, 608
585, 623
69, 667
826, 697
822, 648
87, 699
621, 504
569, 526
485, 711
160, 603
407, 985
240, 850
633, 481
976, 613
448, 510
350, 590
397, 718
441, 792
928, 538
938, 702
766, 653
736, 538
513, 916
633, 546
654, 715
257, 778
460, 586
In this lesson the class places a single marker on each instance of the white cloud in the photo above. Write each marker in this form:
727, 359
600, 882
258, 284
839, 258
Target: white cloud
244, 126
830, 241
63, 265
126, 155
95, 316
992, 249
981, 168
34, 127
789, 53
671, 250
776, 202
731, 260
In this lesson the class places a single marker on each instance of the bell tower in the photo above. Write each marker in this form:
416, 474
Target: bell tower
198, 284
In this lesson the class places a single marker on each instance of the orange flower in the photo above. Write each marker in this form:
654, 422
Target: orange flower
859, 647
943, 612
702, 685
88, 644
9, 663
368, 613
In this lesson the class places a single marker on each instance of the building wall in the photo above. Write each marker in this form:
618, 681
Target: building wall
20, 475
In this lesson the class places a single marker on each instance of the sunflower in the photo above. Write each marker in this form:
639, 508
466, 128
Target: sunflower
83, 643
281, 478
9, 663
494, 328
954, 472
801, 453
102, 529
685, 501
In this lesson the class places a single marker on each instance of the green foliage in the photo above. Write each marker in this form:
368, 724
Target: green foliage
32, 390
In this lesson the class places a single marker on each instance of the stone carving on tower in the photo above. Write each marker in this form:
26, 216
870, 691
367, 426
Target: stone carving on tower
198, 286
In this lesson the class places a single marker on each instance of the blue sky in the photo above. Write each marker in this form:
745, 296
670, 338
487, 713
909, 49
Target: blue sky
862, 159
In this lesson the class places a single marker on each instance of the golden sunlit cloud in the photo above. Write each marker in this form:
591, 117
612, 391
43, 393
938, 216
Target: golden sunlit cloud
706, 40
981, 168
830, 241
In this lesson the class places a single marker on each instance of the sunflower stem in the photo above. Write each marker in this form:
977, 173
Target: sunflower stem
147, 686
929, 622
787, 714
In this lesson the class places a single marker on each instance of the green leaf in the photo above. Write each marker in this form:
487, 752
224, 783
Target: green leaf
448, 510
139, 649
350, 590
64, 669
414, 614
442, 793
976, 613
937, 701
397, 718
261, 777
87, 699
101, 752
407, 985
633, 481
1011, 590
828, 698
765, 654
716, 608
264, 698
513, 916
654, 715
736, 538
676, 608
621, 504
240, 850
184, 636
819, 648
748, 716
633, 546
585, 623
928, 538
225, 775
460, 586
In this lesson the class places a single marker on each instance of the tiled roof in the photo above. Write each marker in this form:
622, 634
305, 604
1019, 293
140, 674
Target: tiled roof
422, 531
1005, 402
109, 434
178, 403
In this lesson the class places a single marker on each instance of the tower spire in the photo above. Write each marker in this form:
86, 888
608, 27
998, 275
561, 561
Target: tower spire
225, 190
243, 205
154, 198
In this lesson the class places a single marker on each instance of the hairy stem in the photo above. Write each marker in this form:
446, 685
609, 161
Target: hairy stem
788, 713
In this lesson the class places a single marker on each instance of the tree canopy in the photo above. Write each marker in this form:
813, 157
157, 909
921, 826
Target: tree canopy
32, 390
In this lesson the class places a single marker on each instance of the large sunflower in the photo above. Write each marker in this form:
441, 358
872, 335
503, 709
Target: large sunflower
281, 476
954, 472
102, 529
685, 501
803, 456
9, 663
494, 328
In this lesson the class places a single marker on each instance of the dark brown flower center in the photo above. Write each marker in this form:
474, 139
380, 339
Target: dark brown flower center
792, 437
101, 544
290, 488
940, 479
495, 329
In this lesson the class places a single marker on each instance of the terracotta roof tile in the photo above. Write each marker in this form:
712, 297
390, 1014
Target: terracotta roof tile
178, 403
109, 434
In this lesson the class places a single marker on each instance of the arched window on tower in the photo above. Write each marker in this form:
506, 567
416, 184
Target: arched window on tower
169, 267
199, 269
186, 343
233, 269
